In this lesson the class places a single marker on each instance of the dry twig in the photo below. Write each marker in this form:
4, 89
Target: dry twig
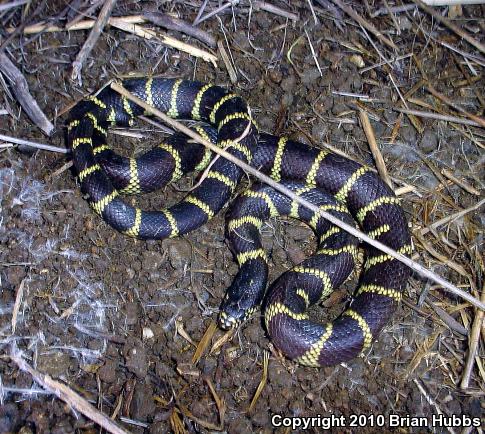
164, 20
63, 392
376, 153
92, 39
446, 22
364, 23
21, 90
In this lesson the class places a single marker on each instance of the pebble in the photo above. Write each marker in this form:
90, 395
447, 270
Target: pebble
9, 417
179, 252
152, 260
107, 372
143, 406
136, 361
288, 83
429, 141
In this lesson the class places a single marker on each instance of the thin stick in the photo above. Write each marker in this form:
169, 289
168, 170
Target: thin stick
165, 39
467, 187
63, 392
438, 116
473, 341
93, 37
448, 101
21, 90
16, 306
376, 153
171, 23
446, 22
14, 4
452, 217
364, 23
81, 25
34, 144
216, 11
227, 62
268, 7
277, 186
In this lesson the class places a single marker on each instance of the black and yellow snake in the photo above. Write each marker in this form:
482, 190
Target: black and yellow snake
345, 188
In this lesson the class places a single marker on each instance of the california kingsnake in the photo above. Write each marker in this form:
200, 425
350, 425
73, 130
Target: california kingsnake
335, 183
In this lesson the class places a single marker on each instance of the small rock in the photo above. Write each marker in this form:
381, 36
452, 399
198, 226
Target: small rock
107, 372
288, 83
132, 311
9, 417
179, 253
275, 75
147, 333
261, 418
152, 260
136, 361
142, 405
429, 141
310, 76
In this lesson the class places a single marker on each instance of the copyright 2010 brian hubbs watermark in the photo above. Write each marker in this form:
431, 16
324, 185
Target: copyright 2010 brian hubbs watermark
375, 420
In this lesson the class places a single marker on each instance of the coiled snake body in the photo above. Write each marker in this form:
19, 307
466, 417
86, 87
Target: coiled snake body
334, 183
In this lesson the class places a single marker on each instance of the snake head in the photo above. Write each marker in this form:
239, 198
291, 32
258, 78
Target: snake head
244, 296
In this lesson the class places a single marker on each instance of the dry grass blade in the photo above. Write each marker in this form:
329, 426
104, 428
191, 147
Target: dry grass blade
221, 405
465, 186
440, 117
262, 383
473, 341
164, 39
204, 342
266, 179
364, 23
76, 401
445, 21
226, 337
451, 217
16, 306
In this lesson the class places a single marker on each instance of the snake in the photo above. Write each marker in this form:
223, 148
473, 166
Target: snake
345, 188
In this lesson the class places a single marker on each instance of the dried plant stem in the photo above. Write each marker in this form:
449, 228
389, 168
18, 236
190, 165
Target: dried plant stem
473, 341
438, 116
452, 217
21, 90
33, 144
447, 101
446, 22
164, 20
165, 39
376, 153
277, 186
465, 186
268, 7
93, 37
364, 23
63, 392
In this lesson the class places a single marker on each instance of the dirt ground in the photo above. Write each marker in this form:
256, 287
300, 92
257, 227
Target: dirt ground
117, 320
